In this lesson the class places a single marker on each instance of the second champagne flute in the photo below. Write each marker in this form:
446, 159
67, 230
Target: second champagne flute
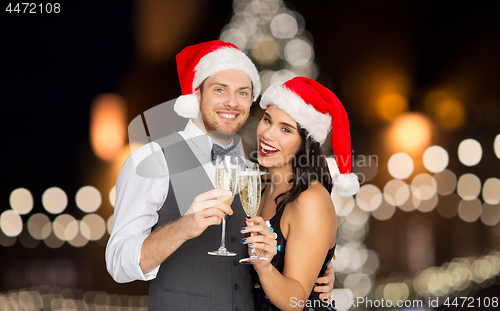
249, 185
226, 171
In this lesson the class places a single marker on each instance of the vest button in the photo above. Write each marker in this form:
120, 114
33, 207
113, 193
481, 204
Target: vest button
235, 263
236, 286
233, 239
228, 217
236, 309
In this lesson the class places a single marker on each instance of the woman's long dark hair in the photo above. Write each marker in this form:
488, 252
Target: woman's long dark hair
309, 164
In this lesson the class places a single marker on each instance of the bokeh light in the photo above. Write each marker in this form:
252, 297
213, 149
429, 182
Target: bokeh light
112, 196
284, 26
448, 205
236, 37
249, 30
7, 241
309, 69
410, 205
52, 297
491, 191
446, 108
470, 152
343, 205
359, 284
88, 199
490, 214
54, 200
357, 217
65, 227
435, 159
298, 52
342, 298
400, 165
265, 79
78, 240
456, 277
391, 105
108, 125
26, 240
365, 167
469, 186
352, 229
496, 146
450, 114
396, 192
270, 33
396, 292
446, 182
11, 223
410, 132
282, 76
369, 198
21, 201
260, 9
425, 186
96, 227
372, 263
384, 211
350, 257
39, 226
469, 210
53, 241
428, 205
265, 50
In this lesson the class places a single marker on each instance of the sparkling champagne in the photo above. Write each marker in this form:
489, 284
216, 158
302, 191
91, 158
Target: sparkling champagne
249, 183
225, 178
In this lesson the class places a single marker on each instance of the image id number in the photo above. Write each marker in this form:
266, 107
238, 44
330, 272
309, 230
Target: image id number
33, 8
470, 302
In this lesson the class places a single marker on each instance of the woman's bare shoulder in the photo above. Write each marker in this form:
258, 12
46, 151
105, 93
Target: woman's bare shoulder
315, 194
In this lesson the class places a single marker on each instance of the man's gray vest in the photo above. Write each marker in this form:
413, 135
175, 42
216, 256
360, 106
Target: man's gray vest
190, 278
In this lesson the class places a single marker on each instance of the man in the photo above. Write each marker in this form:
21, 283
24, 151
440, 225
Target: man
165, 206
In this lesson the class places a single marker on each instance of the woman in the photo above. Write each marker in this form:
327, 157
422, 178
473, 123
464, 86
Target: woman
296, 192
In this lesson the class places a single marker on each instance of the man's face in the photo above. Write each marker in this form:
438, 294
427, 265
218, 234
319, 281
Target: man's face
225, 101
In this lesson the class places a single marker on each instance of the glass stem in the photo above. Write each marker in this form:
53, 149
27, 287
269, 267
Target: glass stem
253, 249
223, 240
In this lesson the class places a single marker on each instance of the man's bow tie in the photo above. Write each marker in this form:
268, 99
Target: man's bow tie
219, 151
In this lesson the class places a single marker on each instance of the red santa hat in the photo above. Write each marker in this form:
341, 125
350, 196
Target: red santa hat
318, 110
197, 62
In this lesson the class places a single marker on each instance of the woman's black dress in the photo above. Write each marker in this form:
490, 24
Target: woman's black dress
313, 303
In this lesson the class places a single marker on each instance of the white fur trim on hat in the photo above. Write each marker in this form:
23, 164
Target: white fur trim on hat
316, 123
345, 185
226, 59
187, 106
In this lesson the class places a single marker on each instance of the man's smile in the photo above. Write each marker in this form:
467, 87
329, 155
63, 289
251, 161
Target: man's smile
228, 116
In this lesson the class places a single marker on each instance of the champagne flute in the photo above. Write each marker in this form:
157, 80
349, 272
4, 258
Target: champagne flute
226, 170
249, 186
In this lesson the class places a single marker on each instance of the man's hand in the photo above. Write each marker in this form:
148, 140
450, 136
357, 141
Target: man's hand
326, 282
205, 211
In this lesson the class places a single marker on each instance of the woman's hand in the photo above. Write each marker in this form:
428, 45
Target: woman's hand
262, 241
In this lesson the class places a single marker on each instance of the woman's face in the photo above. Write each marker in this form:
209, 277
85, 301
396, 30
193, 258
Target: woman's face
278, 138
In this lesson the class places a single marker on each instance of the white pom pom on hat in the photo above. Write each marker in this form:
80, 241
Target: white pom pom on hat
197, 62
319, 111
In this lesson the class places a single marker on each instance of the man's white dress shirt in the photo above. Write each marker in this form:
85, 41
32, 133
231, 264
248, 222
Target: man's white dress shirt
138, 200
